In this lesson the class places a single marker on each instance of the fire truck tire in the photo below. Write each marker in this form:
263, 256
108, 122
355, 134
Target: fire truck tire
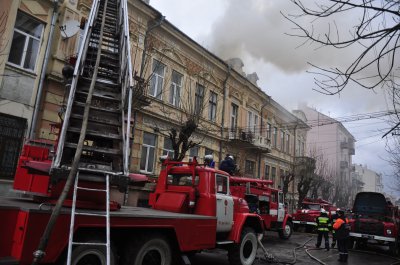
152, 251
287, 231
245, 252
96, 255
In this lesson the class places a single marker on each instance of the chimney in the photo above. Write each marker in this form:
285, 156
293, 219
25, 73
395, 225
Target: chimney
253, 78
236, 64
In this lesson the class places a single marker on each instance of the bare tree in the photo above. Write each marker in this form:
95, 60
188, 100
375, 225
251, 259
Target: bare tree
375, 34
304, 171
184, 112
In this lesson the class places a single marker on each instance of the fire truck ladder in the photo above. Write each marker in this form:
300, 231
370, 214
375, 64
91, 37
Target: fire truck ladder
103, 72
105, 214
94, 141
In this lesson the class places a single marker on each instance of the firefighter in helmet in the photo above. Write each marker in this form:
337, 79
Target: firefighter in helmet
342, 230
323, 225
334, 217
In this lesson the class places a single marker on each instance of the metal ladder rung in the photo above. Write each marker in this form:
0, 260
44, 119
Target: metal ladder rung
89, 244
90, 189
91, 214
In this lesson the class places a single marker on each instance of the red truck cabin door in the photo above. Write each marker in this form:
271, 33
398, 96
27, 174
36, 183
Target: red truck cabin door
224, 204
281, 207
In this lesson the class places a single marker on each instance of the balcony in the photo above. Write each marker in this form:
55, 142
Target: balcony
249, 140
344, 164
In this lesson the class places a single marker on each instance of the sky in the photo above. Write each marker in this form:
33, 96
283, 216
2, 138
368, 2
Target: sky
256, 32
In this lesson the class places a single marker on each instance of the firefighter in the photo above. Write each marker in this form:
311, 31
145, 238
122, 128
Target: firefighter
335, 216
342, 230
228, 165
323, 224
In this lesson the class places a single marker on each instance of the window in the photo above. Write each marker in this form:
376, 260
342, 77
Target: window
267, 173
249, 167
194, 152
273, 174
212, 113
176, 85
168, 150
208, 152
182, 180
234, 116
221, 184
12, 133
157, 79
26, 41
275, 136
287, 143
199, 97
148, 152
281, 176
252, 122
282, 141
269, 127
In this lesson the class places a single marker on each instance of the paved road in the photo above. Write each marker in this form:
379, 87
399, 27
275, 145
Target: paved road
282, 250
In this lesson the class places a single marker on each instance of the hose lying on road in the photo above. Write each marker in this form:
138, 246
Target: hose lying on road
269, 258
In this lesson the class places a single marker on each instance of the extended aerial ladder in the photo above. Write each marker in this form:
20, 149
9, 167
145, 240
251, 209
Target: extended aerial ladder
94, 141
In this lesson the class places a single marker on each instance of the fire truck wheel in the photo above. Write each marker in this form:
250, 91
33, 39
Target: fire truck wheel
286, 232
94, 255
245, 252
153, 251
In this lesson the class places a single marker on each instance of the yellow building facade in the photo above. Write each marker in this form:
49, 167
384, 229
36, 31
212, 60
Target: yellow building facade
182, 80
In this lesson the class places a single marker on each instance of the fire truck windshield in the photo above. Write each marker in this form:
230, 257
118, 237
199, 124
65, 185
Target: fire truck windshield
182, 180
315, 207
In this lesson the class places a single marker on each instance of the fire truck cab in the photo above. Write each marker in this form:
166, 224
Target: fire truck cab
310, 209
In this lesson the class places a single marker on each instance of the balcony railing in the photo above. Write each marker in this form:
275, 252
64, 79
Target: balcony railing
251, 138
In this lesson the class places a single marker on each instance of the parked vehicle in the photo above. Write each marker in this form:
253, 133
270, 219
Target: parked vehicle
309, 211
375, 220
265, 201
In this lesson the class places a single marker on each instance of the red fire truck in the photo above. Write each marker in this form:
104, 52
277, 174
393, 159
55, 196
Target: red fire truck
266, 201
192, 210
375, 221
310, 210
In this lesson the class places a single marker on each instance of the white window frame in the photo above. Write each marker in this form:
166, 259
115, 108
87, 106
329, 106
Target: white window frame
175, 91
158, 79
234, 116
24, 52
252, 122
199, 98
212, 114
148, 147
167, 151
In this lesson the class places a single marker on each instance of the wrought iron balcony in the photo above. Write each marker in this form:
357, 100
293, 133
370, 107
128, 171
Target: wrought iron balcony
249, 140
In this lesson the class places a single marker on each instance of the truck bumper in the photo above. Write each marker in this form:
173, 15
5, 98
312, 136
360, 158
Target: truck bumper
304, 223
366, 236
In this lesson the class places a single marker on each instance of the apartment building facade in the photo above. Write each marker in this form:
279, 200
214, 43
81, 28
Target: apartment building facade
331, 141
372, 181
183, 80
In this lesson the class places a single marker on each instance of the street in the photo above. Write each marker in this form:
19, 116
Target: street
282, 251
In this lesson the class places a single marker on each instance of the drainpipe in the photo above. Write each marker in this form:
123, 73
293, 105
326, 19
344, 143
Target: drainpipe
223, 113
261, 121
43, 73
157, 24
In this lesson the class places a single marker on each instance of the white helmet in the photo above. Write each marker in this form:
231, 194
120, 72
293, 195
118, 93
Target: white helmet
231, 157
323, 210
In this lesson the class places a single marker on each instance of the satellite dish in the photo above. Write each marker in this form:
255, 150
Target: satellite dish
69, 29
